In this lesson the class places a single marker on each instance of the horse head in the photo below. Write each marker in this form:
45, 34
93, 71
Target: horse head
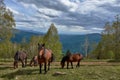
41, 48
34, 61
63, 61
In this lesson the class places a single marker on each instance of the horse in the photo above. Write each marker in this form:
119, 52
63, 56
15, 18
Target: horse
34, 61
76, 57
20, 56
45, 56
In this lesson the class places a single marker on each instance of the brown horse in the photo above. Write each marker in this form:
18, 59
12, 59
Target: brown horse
20, 56
44, 56
76, 57
34, 61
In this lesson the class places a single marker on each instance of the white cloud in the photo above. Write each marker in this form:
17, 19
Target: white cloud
72, 5
50, 12
88, 6
69, 16
29, 5
14, 11
98, 29
72, 29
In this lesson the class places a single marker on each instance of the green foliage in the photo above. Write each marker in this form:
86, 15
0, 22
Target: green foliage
6, 23
8, 49
51, 40
109, 45
111, 55
32, 48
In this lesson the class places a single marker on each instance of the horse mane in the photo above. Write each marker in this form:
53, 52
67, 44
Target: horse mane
64, 59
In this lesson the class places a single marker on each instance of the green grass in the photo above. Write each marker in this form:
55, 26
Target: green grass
84, 72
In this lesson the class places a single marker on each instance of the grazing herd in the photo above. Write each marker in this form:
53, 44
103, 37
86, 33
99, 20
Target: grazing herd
45, 57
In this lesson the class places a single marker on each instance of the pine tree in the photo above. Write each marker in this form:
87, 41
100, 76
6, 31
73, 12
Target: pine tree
32, 47
51, 40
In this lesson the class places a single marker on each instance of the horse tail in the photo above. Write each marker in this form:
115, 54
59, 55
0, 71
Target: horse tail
52, 57
81, 56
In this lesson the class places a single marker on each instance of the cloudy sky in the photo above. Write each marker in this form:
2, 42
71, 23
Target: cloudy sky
69, 16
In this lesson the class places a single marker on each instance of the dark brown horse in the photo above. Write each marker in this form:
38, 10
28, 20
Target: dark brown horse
76, 57
34, 61
20, 56
44, 56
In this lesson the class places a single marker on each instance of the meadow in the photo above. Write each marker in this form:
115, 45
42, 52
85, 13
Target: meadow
89, 70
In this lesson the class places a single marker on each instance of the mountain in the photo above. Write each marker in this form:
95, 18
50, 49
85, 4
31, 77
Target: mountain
20, 34
74, 43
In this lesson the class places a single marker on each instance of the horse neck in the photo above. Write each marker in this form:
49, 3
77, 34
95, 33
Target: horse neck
64, 59
42, 51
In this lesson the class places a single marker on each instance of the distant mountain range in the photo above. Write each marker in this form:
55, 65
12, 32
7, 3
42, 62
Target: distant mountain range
20, 34
74, 43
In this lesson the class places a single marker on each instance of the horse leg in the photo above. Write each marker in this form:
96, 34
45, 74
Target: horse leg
45, 67
71, 65
78, 64
14, 65
40, 65
22, 63
67, 64
49, 65
25, 61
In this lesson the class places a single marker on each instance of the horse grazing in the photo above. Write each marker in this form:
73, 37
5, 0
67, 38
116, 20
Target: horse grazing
20, 56
44, 56
76, 57
34, 61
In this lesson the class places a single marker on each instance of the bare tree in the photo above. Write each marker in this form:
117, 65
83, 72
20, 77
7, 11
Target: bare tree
86, 46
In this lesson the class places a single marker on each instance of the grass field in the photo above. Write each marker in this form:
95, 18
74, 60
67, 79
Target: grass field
101, 70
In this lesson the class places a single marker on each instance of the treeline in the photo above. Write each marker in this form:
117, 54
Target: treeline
109, 46
8, 49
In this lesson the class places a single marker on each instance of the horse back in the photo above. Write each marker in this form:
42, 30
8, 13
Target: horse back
48, 53
75, 57
23, 55
20, 55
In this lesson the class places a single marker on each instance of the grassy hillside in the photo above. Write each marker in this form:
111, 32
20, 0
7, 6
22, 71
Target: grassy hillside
87, 71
